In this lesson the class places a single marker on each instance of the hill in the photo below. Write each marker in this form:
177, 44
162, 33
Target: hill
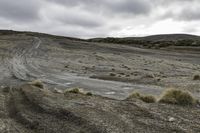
55, 84
154, 41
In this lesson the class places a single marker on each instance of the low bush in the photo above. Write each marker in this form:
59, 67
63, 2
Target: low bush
89, 94
144, 98
175, 96
112, 74
37, 83
75, 90
196, 77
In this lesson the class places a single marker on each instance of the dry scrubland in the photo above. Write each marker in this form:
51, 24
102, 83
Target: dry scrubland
98, 86
32, 109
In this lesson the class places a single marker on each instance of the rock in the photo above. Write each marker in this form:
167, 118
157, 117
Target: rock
171, 119
57, 91
2, 87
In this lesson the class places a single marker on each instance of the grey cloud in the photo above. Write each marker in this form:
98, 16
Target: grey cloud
131, 6
80, 20
117, 6
180, 10
185, 14
189, 15
86, 18
20, 10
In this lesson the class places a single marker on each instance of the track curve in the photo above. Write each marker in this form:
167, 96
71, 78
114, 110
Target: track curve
63, 62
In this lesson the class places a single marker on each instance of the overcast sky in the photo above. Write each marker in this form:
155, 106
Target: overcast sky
101, 18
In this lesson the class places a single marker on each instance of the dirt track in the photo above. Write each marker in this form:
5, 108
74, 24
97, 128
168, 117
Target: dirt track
63, 63
109, 70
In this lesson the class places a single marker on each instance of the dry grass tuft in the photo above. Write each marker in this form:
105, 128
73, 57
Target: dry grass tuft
196, 77
37, 83
77, 91
175, 96
144, 98
89, 94
74, 90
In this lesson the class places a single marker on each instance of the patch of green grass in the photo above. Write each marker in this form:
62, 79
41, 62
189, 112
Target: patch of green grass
179, 97
144, 98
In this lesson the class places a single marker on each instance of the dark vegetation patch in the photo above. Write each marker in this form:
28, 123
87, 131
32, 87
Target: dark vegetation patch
74, 90
152, 42
89, 94
196, 77
78, 91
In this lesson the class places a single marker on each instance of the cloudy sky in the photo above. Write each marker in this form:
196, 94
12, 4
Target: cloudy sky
101, 18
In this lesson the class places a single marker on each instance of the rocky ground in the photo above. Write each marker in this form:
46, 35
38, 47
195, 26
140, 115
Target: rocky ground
110, 71
30, 109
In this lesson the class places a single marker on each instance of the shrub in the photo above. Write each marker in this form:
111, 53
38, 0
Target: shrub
196, 77
78, 91
148, 99
112, 74
6, 89
174, 96
75, 90
37, 83
89, 94
144, 98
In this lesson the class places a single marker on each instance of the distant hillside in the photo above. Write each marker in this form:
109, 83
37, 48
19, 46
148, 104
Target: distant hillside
154, 41
11, 32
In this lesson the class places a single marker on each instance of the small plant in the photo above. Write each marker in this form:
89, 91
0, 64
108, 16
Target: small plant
144, 98
89, 94
37, 83
148, 99
175, 96
78, 91
75, 90
196, 77
112, 74
6, 89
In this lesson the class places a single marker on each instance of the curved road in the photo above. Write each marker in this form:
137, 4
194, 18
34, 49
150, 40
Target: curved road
24, 64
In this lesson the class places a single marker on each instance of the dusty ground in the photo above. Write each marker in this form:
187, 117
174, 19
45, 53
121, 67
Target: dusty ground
29, 109
109, 70
66, 63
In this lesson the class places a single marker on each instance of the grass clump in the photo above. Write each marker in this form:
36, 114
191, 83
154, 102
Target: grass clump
112, 74
175, 96
196, 77
89, 94
6, 89
75, 90
78, 91
144, 98
37, 83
